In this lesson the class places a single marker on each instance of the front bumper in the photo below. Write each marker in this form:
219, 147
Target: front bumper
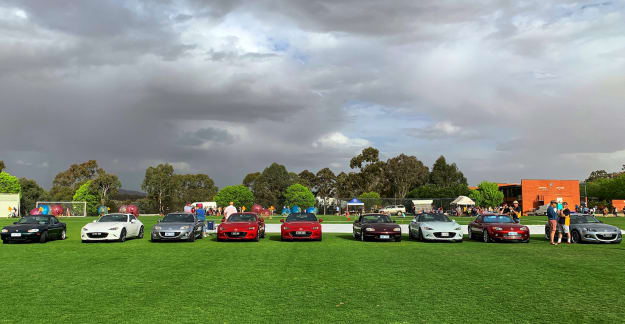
171, 235
506, 236
602, 237
24, 237
308, 234
389, 235
100, 236
435, 235
238, 235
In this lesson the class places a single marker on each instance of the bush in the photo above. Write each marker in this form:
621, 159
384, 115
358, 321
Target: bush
240, 195
85, 194
487, 194
9, 184
299, 195
371, 199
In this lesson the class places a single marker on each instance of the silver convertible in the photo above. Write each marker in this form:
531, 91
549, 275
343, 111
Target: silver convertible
587, 228
434, 227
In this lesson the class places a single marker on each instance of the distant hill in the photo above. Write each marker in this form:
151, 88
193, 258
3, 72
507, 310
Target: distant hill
125, 194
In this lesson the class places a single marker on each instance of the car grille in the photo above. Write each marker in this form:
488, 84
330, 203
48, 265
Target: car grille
175, 234
306, 234
97, 235
606, 236
239, 234
440, 234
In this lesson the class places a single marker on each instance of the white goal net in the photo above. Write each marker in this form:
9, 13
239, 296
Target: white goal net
63, 208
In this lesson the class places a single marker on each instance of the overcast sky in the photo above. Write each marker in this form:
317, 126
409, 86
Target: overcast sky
506, 89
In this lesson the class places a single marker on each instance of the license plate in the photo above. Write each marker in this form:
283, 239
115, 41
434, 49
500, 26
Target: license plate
300, 233
235, 233
513, 233
16, 234
169, 234
385, 236
444, 234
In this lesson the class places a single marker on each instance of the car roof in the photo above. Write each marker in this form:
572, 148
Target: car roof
375, 214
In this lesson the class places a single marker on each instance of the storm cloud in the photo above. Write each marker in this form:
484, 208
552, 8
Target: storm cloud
506, 90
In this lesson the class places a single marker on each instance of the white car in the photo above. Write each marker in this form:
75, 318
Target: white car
112, 227
434, 227
393, 210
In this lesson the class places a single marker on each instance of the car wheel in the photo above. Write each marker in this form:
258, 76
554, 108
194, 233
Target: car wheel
576, 237
84, 241
257, 236
4, 241
191, 237
459, 241
122, 236
63, 235
140, 236
420, 235
485, 236
469, 233
354, 235
44, 237
362, 236
398, 239
547, 233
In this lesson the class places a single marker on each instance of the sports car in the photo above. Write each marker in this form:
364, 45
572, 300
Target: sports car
376, 226
177, 227
434, 227
241, 226
587, 228
497, 228
112, 227
301, 226
39, 228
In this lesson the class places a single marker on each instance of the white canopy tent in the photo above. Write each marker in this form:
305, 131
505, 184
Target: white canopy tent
463, 201
422, 205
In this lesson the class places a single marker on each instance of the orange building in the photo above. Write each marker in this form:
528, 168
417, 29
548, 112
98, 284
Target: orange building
619, 204
532, 194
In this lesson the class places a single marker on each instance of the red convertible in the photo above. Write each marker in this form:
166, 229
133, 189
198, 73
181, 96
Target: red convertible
492, 228
301, 226
241, 226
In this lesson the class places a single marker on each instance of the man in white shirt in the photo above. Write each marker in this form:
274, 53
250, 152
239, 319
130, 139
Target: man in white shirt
229, 210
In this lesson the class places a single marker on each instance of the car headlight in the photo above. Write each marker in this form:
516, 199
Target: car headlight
157, 227
286, 227
524, 228
251, 228
113, 228
458, 228
4, 230
33, 230
396, 229
221, 228
369, 229
498, 229
315, 228
427, 228
186, 227
84, 229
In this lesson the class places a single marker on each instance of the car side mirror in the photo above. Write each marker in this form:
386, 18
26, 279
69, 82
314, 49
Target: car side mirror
282, 220
94, 221
393, 221
223, 219
262, 220
133, 221
320, 220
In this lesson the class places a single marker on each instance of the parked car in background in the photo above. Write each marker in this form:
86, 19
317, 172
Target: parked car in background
300, 226
241, 226
376, 226
112, 227
434, 227
540, 211
497, 228
587, 228
393, 210
39, 228
177, 227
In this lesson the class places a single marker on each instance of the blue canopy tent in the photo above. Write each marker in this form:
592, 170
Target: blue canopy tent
356, 206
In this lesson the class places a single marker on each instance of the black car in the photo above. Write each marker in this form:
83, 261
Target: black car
376, 226
40, 228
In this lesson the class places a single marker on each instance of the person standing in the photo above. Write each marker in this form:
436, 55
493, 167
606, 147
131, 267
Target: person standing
552, 215
564, 220
229, 210
505, 210
516, 212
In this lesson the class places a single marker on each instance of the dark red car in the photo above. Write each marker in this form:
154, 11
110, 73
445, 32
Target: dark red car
241, 226
376, 226
493, 228
301, 226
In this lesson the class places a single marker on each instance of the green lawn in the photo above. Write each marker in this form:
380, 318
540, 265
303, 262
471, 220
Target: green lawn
336, 280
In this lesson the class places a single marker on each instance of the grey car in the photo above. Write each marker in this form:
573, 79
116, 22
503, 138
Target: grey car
178, 227
587, 228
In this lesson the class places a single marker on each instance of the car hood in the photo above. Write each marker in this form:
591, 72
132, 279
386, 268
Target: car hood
172, 226
598, 226
239, 225
24, 227
381, 226
104, 226
442, 226
506, 226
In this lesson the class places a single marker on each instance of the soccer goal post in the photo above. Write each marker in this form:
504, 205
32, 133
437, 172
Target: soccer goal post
64, 208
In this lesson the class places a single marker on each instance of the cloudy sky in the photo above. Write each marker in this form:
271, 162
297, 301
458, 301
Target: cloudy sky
506, 89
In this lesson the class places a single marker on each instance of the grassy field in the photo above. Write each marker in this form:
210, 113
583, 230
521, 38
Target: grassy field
336, 280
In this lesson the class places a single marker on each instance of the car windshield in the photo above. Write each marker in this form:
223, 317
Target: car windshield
301, 217
434, 218
498, 219
376, 219
113, 218
242, 218
178, 218
34, 220
583, 219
